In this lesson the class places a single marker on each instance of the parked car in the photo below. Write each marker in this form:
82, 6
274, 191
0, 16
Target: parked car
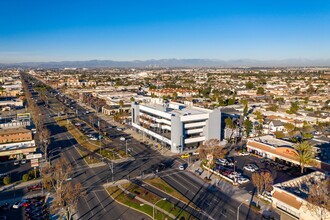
244, 153
234, 174
16, 162
230, 162
23, 161
34, 187
122, 138
185, 155
93, 138
221, 161
182, 167
242, 180
251, 167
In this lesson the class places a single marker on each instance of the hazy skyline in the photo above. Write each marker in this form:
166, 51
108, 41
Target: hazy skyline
130, 30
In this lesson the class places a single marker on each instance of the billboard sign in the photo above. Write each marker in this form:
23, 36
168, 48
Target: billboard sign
33, 156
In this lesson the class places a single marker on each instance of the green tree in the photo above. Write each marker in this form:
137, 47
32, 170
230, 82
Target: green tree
121, 103
230, 125
294, 108
221, 102
231, 101
132, 99
272, 107
249, 85
248, 127
246, 107
175, 95
260, 91
305, 154
260, 119
279, 134
25, 177
6, 180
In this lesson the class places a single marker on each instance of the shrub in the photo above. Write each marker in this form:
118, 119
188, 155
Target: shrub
6, 180
25, 177
32, 174
279, 134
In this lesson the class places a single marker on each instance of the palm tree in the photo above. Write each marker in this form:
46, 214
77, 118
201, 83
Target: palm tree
260, 121
305, 154
230, 125
2, 90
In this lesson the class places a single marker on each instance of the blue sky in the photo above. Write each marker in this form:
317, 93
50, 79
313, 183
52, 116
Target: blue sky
47, 30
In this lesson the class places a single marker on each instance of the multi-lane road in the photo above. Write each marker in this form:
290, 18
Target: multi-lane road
211, 203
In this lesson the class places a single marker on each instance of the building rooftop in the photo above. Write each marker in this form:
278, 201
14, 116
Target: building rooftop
300, 186
272, 141
13, 130
176, 108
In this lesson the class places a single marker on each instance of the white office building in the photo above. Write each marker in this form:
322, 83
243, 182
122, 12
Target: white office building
176, 126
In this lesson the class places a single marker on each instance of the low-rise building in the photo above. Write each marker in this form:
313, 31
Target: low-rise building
291, 197
15, 135
280, 150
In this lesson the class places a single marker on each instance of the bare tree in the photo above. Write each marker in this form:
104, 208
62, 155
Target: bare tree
262, 181
258, 182
45, 139
319, 199
55, 175
66, 200
213, 147
66, 196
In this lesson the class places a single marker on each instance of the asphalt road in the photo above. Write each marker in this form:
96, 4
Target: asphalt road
209, 199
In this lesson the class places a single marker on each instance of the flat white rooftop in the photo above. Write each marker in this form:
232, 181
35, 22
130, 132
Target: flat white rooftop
270, 140
177, 109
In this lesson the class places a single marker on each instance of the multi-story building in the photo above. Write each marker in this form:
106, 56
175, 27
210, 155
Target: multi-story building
176, 126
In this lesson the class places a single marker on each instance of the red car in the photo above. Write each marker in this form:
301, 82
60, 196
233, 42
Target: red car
34, 187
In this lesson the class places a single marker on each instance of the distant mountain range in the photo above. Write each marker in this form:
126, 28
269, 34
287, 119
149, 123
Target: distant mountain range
174, 63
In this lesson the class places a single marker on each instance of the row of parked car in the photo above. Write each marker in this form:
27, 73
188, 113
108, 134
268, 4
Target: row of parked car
90, 133
225, 167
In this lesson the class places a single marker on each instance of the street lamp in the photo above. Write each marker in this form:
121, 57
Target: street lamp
239, 207
153, 210
235, 165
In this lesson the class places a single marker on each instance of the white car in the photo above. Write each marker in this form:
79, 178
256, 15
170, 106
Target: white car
234, 174
244, 153
181, 167
122, 138
242, 180
93, 139
221, 161
16, 162
23, 161
250, 167
16, 205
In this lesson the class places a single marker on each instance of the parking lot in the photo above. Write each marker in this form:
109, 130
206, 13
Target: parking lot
279, 172
29, 209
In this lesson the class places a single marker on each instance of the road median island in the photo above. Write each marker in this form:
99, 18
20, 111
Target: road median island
165, 187
141, 199
89, 159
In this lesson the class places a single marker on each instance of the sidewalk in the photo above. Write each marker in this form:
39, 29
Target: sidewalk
232, 191
19, 185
